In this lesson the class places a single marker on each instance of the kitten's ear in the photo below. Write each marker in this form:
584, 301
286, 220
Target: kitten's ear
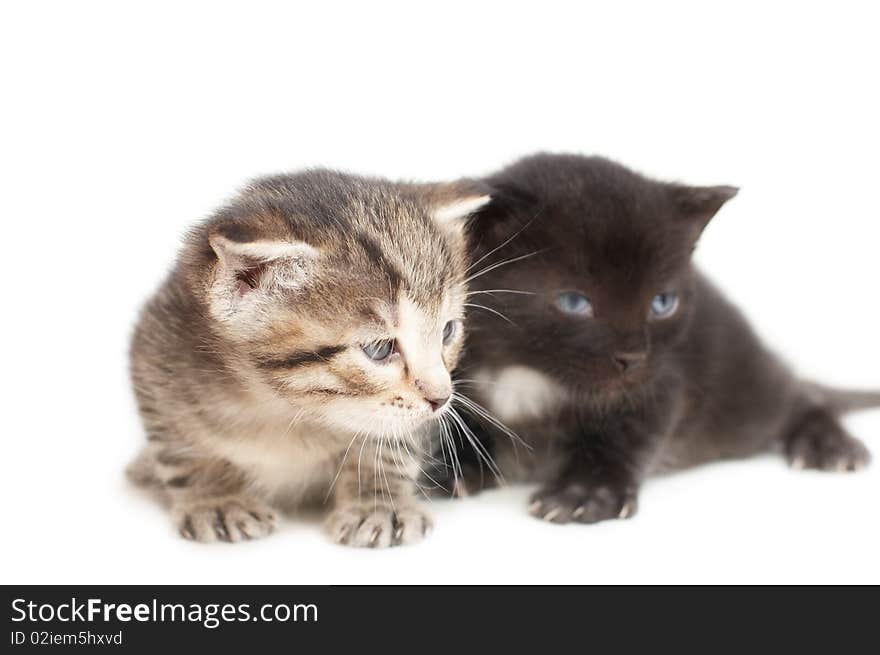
452, 203
697, 205
456, 211
246, 268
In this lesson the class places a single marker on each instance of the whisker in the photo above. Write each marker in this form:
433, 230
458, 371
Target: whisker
476, 445
385, 475
342, 464
491, 291
453, 452
360, 455
489, 309
472, 382
514, 236
415, 460
496, 265
294, 420
482, 412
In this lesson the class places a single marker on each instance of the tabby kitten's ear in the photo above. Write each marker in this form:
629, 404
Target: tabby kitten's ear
455, 211
248, 271
697, 205
452, 203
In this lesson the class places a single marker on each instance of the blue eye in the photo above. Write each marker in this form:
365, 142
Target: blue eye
449, 331
663, 305
572, 302
379, 350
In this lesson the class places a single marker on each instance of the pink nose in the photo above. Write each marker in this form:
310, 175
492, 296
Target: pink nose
436, 395
437, 403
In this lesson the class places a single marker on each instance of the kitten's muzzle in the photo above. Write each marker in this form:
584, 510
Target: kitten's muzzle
627, 362
437, 403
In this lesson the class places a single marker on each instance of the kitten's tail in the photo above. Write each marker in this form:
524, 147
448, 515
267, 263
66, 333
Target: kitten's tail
847, 400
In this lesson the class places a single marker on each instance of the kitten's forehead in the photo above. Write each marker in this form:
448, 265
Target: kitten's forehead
406, 312
392, 243
409, 256
373, 243
596, 214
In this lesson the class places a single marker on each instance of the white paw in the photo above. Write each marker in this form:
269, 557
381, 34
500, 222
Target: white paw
228, 519
368, 525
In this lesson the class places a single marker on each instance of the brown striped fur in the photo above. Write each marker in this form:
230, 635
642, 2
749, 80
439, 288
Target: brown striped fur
248, 366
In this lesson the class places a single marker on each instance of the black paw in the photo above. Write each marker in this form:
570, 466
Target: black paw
582, 503
820, 442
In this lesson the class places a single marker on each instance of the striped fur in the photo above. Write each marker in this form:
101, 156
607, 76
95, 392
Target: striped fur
248, 366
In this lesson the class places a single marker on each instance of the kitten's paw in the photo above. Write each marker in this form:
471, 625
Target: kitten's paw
823, 444
581, 503
371, 525
228, 519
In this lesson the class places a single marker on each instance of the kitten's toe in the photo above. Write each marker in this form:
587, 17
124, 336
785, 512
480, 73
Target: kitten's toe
555, 508
411, 524
375, 531
823, 444
229, 520
243, 523
580, 503
377, 526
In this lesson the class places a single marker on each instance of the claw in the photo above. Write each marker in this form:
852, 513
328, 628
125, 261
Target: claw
552, 514
342, 535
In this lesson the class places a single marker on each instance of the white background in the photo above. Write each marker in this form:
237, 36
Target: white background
122, 123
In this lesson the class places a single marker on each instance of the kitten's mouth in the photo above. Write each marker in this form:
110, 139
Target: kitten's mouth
441, 409
615, 386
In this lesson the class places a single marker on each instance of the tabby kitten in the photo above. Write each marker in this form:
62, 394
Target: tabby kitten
611, 355
315, 316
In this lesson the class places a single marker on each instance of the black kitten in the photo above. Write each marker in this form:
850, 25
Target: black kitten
610, 355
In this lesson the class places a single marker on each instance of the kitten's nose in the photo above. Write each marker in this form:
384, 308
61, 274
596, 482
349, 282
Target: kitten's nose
436, 393
627, 362
437, 403
435, 387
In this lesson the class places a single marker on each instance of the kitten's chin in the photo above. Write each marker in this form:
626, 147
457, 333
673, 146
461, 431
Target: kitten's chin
611, 390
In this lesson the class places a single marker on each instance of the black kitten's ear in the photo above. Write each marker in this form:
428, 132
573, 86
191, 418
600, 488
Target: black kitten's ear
698, 204
510, 208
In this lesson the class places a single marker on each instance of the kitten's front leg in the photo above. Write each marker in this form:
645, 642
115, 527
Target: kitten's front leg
374, 500
210, 498
600, 479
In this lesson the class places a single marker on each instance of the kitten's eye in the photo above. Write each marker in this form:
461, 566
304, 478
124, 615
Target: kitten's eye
663, 305
449, 331
572, 302
379, 350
